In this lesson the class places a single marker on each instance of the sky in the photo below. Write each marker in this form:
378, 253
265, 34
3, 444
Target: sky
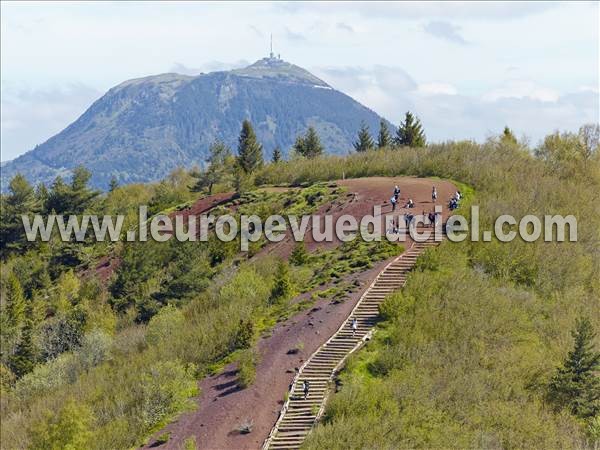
466, 69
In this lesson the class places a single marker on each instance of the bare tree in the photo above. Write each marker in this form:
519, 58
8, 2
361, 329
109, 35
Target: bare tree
590, 139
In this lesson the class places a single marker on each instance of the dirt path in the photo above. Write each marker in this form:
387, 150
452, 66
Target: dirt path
222, 407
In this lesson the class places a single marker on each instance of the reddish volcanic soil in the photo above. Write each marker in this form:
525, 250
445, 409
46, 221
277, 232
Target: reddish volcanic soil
222, 407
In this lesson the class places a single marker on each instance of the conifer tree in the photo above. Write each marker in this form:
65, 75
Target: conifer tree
113, 184
250, 152
15, 301
365, 141
299, 145
576, 385
21, 200
81, 194
309, 145
410, 132
508, 137
282, 288
73, 198
384, 139
23, 359
277, 156
41, 194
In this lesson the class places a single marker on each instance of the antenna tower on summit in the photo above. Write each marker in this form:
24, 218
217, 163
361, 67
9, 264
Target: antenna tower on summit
272, 55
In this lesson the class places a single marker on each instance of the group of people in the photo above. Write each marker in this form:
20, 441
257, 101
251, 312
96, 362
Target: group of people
454, 201
431, 218
396, 197
408, 217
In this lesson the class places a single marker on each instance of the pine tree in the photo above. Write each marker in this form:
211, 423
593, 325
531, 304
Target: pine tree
71, 198
113, 184
220, 166
309, 145
508, 137
365, 141
250, 152
23, 360
282, 288
576, 385
15, 301
41, 194
21, 200
299, 145
81, 194
410, 132
384, 139
277, 156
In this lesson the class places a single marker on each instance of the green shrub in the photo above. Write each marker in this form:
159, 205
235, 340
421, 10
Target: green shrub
190, 443
67, 429
163, 438
164, 389
245, 334
299, 254
246, 369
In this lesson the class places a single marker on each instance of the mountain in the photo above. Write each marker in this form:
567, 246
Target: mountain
143, 128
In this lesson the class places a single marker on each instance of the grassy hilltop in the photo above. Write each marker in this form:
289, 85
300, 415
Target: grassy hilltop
103, 343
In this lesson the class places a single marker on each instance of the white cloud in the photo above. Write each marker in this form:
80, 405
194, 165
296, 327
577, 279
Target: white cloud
533, 56
494, 11
29, 116
445, 30
344, 27
522, 89
447, 113
211, 66
437, 88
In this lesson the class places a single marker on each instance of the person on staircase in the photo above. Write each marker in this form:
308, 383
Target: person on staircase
305, 388
354, 326
432, 216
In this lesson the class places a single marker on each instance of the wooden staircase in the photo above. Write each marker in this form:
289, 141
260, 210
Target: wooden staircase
298, 415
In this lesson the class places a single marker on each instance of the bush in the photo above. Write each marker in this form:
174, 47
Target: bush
245, 334
164, 389
246, 369
299, 254
95, 349
190, 443
48, 377
69, 429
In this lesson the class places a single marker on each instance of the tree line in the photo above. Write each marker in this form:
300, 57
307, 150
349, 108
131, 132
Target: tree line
223, 166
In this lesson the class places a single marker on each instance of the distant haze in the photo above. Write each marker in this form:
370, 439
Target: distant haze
467, 69
142, 129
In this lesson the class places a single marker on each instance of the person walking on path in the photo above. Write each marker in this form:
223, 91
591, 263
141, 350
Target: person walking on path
433, 194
